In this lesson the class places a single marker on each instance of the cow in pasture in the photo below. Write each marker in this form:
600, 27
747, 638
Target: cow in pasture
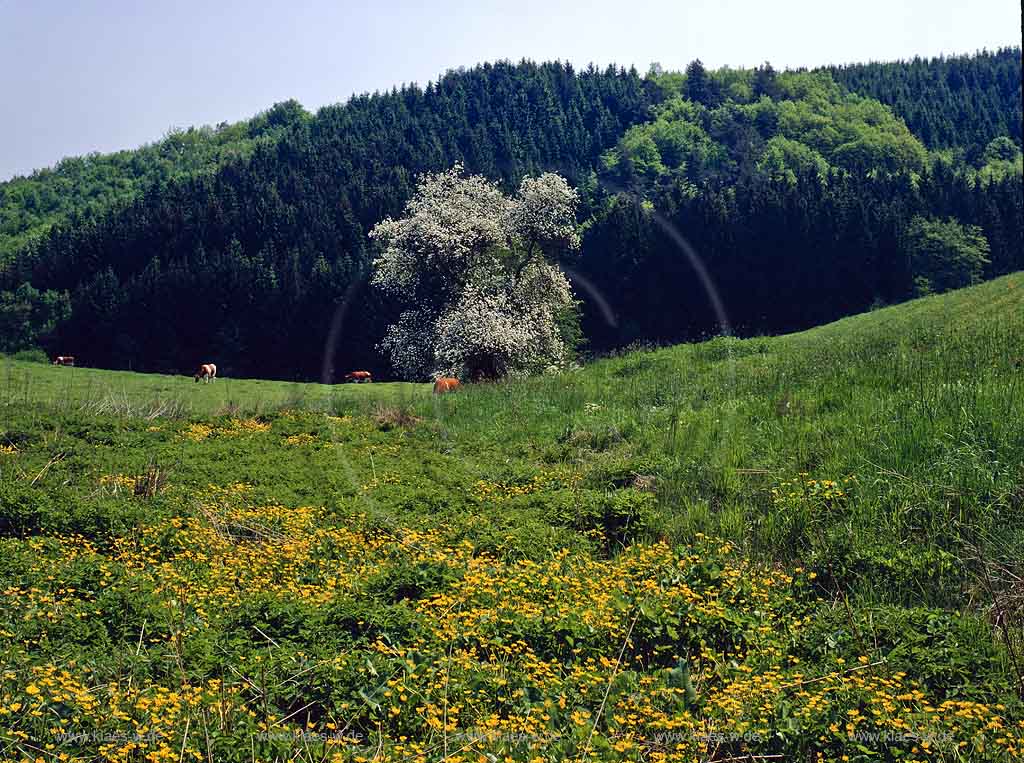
446, 384
64, 360
359, 377
207, 372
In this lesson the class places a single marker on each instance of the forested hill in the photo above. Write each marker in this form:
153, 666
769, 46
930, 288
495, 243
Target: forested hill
956, 102
805, 199
78, 186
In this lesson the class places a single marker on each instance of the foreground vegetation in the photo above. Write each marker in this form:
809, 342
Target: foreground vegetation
806, 547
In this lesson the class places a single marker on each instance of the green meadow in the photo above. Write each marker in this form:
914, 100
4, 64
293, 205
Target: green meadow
156, 394
805, 547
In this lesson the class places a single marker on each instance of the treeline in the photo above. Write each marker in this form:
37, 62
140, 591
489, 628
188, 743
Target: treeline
800, 199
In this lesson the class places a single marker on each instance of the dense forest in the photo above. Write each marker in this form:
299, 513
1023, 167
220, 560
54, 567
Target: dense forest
747, 200
29, 206
960, 102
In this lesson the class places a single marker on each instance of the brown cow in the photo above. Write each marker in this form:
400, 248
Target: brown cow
64, 360
208, 372
446, 384
357, 377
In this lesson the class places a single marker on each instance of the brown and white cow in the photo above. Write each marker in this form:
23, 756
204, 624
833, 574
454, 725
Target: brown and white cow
64, 360
357, 377
207, 371
446, 384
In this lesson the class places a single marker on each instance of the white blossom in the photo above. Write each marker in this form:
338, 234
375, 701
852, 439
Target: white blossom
410, 343
472, 264
506, 326
448, 224
544, 214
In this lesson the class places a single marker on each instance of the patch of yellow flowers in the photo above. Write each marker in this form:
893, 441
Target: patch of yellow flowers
381, 479
119, 482
487, 490
807, 488
508, 660
197, 432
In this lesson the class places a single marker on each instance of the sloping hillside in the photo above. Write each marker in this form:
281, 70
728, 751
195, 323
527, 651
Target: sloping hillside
799, 546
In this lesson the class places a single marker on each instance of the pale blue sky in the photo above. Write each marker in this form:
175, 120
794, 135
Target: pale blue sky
100, 75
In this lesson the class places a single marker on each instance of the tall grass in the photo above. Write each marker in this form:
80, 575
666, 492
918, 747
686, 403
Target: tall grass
920, 407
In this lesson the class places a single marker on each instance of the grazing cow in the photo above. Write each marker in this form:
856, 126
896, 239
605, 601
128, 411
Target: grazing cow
207, 371
64, 360
357, 377
446, 384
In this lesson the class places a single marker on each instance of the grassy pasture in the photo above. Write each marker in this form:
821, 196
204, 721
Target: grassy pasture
807, 547
26, 383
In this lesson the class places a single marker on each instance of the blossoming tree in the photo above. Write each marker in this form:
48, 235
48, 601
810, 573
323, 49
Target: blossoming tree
477, 272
